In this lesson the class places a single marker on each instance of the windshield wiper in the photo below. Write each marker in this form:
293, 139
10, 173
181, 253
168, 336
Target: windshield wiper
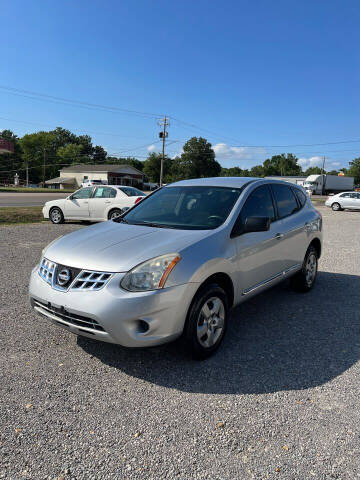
151, 224
120, 220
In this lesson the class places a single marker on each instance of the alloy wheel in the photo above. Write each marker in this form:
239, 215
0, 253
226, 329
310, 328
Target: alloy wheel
210, 322
310, 269
56, 216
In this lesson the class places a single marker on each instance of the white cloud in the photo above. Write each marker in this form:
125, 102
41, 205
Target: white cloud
317, 161
151, 148
223, 150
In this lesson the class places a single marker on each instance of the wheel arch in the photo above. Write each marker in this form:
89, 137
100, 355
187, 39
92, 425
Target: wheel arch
224, 281
111, 209
316, 243
58, 207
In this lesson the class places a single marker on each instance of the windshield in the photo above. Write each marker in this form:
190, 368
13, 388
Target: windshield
310, 183
131, 191
190, 208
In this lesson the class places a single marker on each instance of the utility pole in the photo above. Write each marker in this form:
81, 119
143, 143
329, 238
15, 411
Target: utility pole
27, 174
323, 176
44, 163
163, 134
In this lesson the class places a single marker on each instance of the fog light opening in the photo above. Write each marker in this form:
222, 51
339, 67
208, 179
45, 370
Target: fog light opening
142, 326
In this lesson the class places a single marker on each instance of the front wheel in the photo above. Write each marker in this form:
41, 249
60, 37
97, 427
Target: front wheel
207, 321
56, 216
336, 207
304, 280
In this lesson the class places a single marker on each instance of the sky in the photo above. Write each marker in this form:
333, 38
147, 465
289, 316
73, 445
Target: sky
256, 78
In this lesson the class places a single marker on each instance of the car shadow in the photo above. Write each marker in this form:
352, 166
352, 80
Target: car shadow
279, 340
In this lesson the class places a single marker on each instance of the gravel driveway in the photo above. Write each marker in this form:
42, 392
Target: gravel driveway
279, 400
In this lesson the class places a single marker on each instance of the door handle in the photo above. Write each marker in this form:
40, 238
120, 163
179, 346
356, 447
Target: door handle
107, 201
86, 202
278, 236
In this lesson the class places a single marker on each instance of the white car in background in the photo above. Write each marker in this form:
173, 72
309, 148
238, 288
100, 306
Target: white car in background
94, 204
350, 200
90, 183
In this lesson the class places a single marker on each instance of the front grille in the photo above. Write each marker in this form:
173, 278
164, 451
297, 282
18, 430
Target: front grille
64, 278
71, 318
47, 270
90, 280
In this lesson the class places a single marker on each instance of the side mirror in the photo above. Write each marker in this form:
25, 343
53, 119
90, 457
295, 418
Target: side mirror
251, 224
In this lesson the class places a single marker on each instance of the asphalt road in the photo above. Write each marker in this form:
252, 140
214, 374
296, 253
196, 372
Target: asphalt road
15, 199
280, 400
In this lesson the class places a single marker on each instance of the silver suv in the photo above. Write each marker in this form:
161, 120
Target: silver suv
174, 264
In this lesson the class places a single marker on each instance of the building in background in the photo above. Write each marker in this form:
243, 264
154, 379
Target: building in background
72, 177
297, 180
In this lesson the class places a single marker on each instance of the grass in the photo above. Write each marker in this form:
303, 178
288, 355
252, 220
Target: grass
11, 215
34, 190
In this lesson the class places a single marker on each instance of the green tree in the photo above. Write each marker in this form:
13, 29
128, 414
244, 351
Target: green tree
10, 163
71, 154
284, 164
99, 154
257, 171
354, 170
34, 147
332, 172
234, 172
85, 141
152, 167
197, 160
134, 162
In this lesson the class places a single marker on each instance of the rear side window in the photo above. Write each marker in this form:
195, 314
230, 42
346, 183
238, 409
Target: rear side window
258, 204
105, 192
300, 196
285, 200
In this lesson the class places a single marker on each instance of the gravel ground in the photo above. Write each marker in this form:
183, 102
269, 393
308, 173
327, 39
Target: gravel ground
279, 400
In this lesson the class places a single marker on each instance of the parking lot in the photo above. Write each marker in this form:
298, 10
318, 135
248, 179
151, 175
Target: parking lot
279, 400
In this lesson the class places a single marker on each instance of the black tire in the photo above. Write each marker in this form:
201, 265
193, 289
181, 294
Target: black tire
56, 215
303, 281
336, 207
114, 213
200, 331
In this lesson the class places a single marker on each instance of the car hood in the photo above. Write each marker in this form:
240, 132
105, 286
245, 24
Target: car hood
118, 247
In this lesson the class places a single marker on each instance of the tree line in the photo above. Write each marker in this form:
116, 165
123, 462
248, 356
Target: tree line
59, 148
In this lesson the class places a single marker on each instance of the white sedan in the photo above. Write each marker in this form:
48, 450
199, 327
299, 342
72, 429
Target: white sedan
350, 200
93, 204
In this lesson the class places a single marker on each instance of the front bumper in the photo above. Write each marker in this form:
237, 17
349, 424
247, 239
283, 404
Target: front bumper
45, 212
131, 319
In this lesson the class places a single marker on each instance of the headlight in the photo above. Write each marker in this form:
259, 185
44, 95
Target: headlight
150, 275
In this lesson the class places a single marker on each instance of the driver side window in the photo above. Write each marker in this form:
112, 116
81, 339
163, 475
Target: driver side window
83, 193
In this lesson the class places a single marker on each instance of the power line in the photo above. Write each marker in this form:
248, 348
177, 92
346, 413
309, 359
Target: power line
72, 129
79, 103
264, 146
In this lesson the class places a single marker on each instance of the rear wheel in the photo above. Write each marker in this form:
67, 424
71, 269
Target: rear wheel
336, 207
56, 215
305, 279
114, 214
207, 321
